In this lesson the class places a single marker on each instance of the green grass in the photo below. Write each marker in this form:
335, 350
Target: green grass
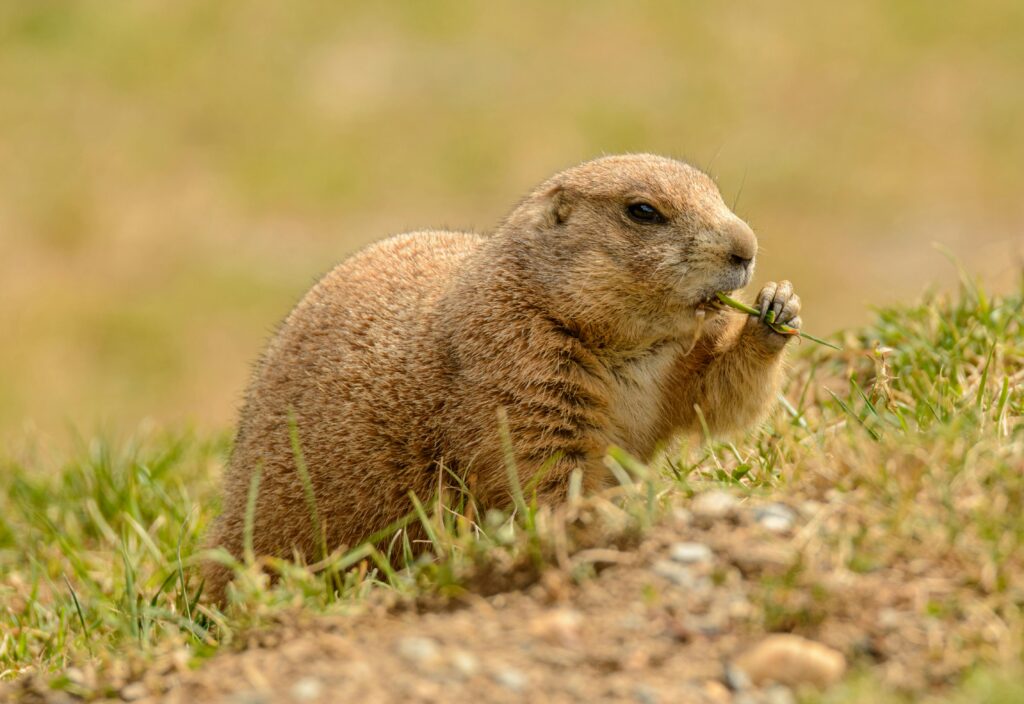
915, 432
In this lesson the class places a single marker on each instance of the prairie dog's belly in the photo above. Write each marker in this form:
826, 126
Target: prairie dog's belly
636, 397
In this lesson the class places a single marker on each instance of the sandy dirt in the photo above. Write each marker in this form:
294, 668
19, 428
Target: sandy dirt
684, 615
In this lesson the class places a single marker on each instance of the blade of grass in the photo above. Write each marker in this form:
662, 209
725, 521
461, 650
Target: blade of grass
129, 593
181, 569
81, 616
427, 524
1004, 395
979, 399
248, 552
780, 328
798, 417
707, 435
510, 463
319, 529
874, 435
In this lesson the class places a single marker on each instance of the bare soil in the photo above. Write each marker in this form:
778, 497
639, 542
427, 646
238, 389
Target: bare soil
666, 620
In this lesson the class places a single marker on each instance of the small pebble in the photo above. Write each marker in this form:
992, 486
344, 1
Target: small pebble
632, 622
560, 626
645, 694
714, 505
779, 694
739, 608
510, 678
764, 558
792, 660
717, 692
307, 688
681, 575
810, 508
675, 573
74, 676
778, 518
465, 663
690, 553
736, 678
250, 696
133, 691
888, 619
419, 650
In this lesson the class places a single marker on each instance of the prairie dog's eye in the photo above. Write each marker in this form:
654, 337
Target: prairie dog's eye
645, 214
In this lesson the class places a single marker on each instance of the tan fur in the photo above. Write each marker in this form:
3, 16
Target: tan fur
578, 322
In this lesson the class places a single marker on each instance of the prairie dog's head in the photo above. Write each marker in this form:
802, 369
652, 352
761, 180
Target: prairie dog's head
637, 236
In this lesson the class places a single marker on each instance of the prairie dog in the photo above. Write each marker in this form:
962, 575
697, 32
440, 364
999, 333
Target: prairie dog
586, 316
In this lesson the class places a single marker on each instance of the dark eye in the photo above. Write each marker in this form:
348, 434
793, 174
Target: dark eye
645, 214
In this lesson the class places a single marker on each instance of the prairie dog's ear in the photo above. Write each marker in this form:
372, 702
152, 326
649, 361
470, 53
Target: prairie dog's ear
545, 208
558, 205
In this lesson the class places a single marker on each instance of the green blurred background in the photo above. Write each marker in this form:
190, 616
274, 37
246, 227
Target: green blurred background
175, 173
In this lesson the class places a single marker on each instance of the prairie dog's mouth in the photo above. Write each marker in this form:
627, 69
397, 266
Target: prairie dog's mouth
711, 304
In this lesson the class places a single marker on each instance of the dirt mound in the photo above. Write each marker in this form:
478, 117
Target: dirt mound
687, 615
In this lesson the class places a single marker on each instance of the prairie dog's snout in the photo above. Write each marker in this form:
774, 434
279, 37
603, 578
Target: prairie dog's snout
741, 243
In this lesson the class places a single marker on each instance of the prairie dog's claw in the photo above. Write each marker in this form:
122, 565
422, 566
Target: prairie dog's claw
780, 299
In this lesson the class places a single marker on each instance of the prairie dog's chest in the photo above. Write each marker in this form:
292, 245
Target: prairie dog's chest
637, 389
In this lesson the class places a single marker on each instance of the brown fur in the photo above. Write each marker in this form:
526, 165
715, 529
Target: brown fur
581, 324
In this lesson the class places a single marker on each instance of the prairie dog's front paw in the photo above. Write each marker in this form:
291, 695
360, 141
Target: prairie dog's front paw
778, 304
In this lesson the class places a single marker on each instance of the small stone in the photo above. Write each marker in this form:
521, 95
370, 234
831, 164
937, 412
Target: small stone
307, 688
419, 650
810, 508
771, 558
465, 663
134, 691
559, 626
776, 524
511, 678
792, 660
74, 676
717, 692
778, 518
714, 505
250, 696
736, 678
779, 694
691, 553
424, 691
645, 694
739, 608
680, 575
888, 618
632, 622
179, 661
357, 670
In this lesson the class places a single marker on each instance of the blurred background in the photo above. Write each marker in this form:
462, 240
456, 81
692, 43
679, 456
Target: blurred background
175, 173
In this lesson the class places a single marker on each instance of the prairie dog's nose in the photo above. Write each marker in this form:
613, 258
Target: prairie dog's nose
742, 244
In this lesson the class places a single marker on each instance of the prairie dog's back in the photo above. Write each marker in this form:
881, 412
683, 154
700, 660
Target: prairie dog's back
348, 370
